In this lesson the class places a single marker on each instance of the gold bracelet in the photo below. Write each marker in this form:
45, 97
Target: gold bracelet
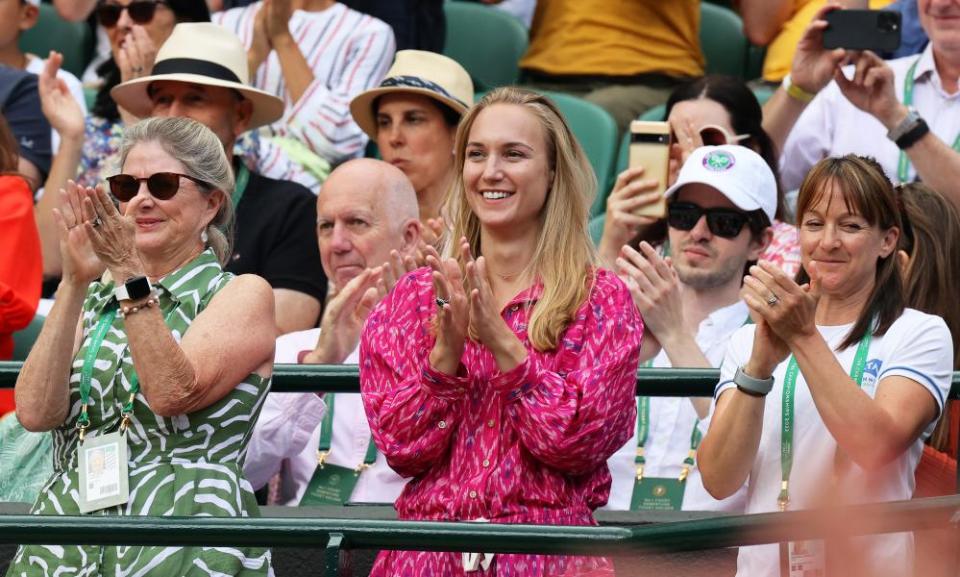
152, 301
795, 92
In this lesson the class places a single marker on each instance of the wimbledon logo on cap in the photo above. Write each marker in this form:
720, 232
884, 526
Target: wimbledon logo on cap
718, 161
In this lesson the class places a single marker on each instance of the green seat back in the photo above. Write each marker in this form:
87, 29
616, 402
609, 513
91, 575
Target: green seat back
23, 339
597, 132
487, 42
596, 229
722, 40
72, 39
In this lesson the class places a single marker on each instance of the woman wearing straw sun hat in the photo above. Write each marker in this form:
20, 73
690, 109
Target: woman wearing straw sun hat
413, 117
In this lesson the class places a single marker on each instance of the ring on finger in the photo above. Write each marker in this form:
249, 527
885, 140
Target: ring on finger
441, 302
96, 222
773, 299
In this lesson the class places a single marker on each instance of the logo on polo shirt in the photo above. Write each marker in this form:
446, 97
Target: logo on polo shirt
718, 161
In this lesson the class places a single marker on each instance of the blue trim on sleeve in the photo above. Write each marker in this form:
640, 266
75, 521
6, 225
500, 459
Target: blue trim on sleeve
929, 381
719, 386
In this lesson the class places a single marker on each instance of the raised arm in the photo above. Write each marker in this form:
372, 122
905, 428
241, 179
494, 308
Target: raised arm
763, 19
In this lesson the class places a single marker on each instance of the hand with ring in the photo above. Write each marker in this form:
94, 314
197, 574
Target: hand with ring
453, 312
111, 234
788, 308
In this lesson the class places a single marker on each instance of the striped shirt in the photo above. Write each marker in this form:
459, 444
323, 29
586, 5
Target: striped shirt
348, 51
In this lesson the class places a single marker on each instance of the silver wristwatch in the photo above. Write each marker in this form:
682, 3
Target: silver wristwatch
909, 122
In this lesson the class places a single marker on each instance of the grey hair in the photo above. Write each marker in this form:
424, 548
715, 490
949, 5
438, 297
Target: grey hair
202, 155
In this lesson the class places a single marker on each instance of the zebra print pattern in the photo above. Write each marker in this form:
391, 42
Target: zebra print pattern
189, 465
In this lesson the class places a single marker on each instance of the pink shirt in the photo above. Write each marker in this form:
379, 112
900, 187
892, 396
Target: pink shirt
526, 446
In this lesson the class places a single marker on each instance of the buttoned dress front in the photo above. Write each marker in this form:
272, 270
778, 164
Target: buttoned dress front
526, 446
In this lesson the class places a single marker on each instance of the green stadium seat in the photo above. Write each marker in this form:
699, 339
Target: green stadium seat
488, 43
597, 132
596, 229
722, 40
73, 39
23, 339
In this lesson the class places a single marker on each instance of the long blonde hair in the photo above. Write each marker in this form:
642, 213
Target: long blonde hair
564, 251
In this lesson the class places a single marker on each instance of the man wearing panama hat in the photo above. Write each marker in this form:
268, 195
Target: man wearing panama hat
201, 73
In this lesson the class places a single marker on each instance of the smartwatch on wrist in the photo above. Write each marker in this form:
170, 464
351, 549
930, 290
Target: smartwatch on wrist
911, 129
134, 289
751, 386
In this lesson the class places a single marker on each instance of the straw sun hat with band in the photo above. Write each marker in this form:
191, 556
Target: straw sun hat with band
418, 72
201, 53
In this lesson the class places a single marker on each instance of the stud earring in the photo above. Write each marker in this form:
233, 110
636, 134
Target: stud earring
203, 237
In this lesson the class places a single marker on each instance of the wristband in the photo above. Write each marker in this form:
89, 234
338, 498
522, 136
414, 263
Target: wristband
795, 92
751, 386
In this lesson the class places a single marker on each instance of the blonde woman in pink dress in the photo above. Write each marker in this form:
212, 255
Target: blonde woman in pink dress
502, 378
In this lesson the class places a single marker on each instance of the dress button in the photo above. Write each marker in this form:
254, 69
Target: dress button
486, 462
473, 494
442, 424
490, 423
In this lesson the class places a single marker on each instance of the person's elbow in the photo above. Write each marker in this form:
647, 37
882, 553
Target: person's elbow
760, 35
36, 422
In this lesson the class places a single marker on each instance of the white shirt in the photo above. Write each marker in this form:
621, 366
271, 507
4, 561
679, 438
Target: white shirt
917, 346
671, 423
35, 65
832, 126
289, 428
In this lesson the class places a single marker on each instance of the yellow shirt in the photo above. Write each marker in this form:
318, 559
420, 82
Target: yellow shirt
615, 38
779, 56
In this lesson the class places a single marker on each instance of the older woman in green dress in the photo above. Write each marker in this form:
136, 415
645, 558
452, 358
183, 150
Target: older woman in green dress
151, 375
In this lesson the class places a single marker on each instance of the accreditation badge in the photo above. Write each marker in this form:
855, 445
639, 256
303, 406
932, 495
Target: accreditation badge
330, 485
103, 472
657, 494
804, 559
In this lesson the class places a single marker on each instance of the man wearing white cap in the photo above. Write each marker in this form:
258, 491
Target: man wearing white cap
201, 73
718, 220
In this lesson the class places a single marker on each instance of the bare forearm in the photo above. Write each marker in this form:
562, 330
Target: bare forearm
937, 165
296, 72
780, 114
683, 351
295, 311
730, 447
763, 19
64, 168
42, 391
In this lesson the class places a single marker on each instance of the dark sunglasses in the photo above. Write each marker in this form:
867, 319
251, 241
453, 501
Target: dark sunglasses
140, 11
162, 185
723, 222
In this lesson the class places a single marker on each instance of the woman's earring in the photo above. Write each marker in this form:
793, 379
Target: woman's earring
203, 237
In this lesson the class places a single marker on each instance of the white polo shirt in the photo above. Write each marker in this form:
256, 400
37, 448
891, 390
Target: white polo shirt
832, 126
917, 346
671, 424
289, 428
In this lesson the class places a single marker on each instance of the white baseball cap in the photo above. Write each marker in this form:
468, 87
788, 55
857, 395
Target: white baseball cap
34, 2
739, 173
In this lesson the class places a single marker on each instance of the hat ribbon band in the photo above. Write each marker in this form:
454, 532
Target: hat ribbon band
194, 66
417, 82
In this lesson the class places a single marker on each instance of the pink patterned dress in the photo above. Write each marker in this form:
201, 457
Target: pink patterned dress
526, 446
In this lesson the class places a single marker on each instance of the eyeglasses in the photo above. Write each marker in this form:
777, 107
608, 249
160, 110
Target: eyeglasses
715, 135
140, 11
162, 185
723, 222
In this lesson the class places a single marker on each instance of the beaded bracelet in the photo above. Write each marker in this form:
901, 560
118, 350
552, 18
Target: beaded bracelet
152, 301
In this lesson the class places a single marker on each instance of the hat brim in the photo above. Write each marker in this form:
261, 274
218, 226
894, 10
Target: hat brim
132, 95
361, 107
726, 193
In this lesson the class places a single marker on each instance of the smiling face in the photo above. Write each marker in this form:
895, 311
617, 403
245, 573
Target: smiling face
414, 136
702, 259
941, 21
842, 245
166, 229
506, 170
158, 29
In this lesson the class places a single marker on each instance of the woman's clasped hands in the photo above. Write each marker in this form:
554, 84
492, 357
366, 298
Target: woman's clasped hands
467, 308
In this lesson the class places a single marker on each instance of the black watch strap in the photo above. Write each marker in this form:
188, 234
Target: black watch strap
909, 138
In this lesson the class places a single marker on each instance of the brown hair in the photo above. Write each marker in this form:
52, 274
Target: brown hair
564, 253
866, 191
9, 151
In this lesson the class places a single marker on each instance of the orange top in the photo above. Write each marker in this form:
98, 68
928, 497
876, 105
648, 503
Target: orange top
615, 38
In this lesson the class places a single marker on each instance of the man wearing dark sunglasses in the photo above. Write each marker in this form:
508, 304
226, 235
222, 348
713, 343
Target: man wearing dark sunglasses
201, 73
718, 220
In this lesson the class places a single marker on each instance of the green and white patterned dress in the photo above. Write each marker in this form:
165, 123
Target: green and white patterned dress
189, 465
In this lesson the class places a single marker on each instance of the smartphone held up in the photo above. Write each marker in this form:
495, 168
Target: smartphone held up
874, 30
650, 148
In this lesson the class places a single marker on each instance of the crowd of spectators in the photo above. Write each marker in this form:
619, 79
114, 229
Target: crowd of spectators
314, 182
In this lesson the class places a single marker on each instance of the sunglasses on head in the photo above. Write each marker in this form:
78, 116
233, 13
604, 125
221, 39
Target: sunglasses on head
162, 185
723, 222
140, 11
714, 135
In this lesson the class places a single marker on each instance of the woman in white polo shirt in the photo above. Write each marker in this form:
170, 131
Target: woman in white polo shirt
829, 394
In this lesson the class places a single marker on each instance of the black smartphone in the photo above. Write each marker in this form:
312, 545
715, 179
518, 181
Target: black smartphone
874, 30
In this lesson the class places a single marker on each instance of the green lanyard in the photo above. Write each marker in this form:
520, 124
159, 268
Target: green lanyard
903, 167
643, 431
326, 440
787, 411
243, 177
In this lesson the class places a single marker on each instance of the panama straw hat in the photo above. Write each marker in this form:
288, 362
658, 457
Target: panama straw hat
416, 71
201, 53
